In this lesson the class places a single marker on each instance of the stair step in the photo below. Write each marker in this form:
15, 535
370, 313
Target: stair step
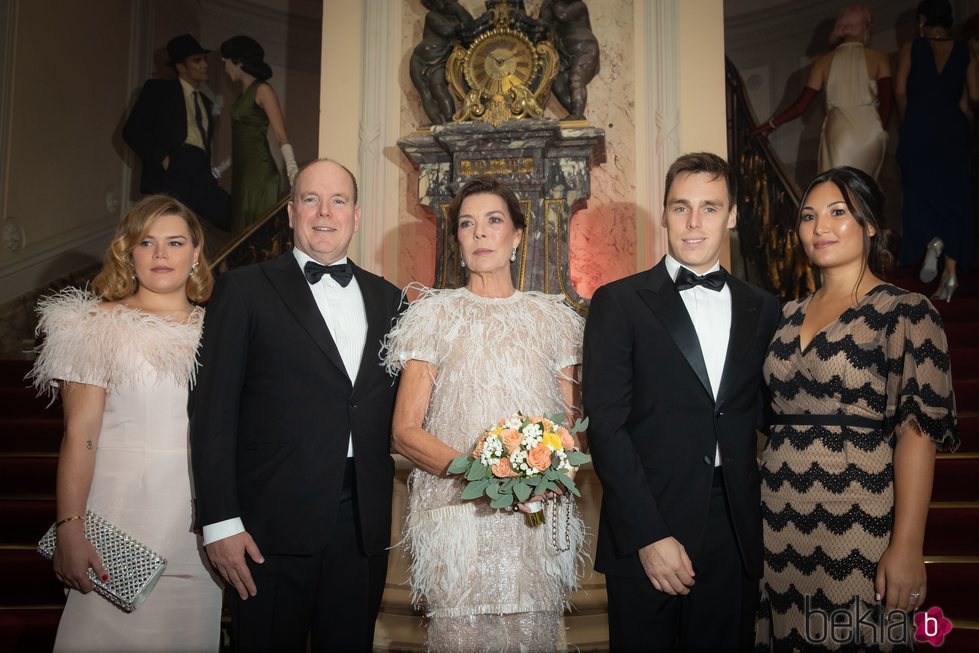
966, 393
959, 309
951, 586
25, 521
13, 371
26, 630
969, 431
955, 480
24, 402
965, 362
951, 531
28, 475
31, 434
28, 579
962, 334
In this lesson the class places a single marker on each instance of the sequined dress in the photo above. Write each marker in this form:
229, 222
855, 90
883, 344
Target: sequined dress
487, 581
828, 490
141, 482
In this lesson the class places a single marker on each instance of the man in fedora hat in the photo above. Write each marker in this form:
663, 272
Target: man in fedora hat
171, 127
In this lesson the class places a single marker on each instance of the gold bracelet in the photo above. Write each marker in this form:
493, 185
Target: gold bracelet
68, 519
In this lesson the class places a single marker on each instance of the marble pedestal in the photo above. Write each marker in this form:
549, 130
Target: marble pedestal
547, 165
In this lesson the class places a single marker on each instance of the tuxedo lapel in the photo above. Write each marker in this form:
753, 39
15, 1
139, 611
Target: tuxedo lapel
288, 280
745, 308
663, 299
377, 322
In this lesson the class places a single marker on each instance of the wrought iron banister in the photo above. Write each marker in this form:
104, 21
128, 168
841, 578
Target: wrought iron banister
768, 203
265, 239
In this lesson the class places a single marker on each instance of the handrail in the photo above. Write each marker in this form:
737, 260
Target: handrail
263, 227
768, 203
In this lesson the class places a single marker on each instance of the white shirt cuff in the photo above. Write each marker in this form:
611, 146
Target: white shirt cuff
223, 529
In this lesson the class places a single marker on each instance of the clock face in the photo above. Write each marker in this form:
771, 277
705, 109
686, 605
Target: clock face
500, 62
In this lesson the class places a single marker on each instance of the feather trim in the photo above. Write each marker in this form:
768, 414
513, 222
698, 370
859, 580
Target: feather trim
86, 343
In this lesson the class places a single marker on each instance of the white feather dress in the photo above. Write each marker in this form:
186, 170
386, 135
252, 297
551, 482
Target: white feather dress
487, 580
142, 479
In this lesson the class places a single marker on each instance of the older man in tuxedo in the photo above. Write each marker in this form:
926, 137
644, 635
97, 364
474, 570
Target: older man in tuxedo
171, 128
672, 376
290, 431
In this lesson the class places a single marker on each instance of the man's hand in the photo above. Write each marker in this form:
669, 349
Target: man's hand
668, 566
228, 558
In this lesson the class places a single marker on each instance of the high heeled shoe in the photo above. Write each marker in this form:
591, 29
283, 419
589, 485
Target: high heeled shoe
946, 288
929, 269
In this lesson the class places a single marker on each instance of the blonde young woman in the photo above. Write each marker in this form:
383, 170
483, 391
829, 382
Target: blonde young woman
123, 359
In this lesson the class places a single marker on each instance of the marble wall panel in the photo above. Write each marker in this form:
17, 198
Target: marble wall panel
602, 234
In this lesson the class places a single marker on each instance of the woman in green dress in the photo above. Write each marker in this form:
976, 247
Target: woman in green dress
256, 184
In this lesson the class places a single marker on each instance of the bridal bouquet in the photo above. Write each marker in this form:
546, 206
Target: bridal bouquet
519, 457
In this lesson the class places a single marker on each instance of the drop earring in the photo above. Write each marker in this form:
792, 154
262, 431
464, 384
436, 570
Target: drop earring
462, 262
513, 255
193, 268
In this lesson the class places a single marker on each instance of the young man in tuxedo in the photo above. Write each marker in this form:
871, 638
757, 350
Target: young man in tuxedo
672, 382
171, 128
290, 432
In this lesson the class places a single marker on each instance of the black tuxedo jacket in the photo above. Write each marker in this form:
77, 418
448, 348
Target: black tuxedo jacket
273, 408
157, 126
654, 422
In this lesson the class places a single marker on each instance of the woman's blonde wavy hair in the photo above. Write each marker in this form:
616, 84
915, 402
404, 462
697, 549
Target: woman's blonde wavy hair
115, 281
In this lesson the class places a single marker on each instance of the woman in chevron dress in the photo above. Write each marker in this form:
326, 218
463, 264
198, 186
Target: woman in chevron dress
861, 398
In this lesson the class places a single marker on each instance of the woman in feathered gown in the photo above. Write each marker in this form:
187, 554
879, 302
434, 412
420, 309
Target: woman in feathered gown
467, 358
123, 360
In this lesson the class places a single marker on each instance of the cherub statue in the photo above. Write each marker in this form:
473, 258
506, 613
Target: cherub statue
578, 48
443, 22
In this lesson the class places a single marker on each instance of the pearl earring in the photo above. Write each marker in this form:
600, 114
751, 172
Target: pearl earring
462, 262
513, 255
193, 268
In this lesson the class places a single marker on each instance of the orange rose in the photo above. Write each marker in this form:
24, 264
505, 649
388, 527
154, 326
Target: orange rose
511, 439
566, 440
478, 451
536, 419
539, 457
503, 469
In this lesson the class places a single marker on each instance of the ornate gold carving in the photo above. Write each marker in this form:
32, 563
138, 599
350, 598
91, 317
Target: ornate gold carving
502, 75
473, 167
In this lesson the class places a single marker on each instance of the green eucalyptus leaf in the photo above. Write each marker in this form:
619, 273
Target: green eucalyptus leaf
521, 490
460, 464
577, 459
579, 425
568, 482
477, 471
474, 490
504, 501
493, 489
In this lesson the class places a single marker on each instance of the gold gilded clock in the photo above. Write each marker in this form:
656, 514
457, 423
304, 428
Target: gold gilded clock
502, 74
499, 61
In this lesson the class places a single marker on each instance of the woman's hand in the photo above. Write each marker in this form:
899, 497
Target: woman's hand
901, 575
73, 556
547, 496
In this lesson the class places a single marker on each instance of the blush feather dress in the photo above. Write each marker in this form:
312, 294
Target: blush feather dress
487, 581
141, 481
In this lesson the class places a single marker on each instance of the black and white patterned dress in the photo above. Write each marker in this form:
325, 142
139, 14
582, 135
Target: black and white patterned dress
879, 371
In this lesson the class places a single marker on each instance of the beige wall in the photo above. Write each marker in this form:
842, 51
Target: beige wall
604, 234
64, 160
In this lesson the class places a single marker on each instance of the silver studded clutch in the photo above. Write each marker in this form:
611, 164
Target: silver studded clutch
133, 568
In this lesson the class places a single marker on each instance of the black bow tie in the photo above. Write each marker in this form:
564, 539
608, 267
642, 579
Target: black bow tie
342, 273
714, 281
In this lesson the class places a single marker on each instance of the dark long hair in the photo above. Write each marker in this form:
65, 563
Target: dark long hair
865, 200
484, 184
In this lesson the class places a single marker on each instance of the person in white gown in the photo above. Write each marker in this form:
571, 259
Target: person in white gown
467, 358
123, 360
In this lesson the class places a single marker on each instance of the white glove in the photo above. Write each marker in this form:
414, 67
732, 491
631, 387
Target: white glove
290, 160
221, 168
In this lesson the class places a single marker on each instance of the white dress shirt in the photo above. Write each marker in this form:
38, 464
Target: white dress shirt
194, 135
710, 312
345, 316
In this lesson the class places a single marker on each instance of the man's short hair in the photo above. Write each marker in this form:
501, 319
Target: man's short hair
706, 162
295, 186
